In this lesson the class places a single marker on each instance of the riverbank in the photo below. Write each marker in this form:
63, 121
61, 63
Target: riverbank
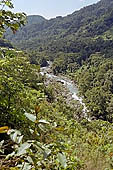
68, 90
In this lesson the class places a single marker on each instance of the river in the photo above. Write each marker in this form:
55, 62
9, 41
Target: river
69, 85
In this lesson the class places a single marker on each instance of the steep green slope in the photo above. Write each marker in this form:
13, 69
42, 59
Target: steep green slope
32, 19
26, 31
70, 42
39, 130
89, 21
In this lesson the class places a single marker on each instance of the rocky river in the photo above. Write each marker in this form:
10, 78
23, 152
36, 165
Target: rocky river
68, 84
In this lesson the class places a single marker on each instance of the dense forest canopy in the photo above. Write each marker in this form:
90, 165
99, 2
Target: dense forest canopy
88, 22
40, 128
70, 43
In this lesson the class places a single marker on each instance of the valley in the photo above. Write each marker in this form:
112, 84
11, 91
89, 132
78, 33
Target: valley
70, 91
56, 89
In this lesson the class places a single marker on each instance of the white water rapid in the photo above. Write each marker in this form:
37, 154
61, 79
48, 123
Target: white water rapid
69, 85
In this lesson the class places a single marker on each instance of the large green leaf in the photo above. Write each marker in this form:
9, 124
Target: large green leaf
22, 149
30, 117
43, 121
24, 166
15, 135
9, 4
62, 160
11, 155
1, 144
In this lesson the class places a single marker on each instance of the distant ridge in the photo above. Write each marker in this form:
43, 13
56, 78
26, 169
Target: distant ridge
32, 19
67, 34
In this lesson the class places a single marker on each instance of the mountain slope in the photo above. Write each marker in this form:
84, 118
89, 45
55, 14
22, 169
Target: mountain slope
89, 20
32, 19
81, 45
25, 31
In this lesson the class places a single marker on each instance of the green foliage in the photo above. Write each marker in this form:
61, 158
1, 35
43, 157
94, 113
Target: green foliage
50, 138
63, 144
81, 32
95, 82
10, 19
45, 130
68, 41
19, 84
38, 59
65, 63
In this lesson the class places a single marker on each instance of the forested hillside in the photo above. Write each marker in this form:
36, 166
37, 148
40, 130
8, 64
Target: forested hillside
42, 127
70, 43
86, 26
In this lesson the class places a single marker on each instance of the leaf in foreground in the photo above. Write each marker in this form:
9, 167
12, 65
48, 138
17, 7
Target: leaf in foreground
62, 160
30, 117
22, 149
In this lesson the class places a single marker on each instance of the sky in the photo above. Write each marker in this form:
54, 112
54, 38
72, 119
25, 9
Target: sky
50, 8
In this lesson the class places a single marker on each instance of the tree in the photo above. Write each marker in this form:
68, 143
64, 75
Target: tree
9, 19
20, 86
